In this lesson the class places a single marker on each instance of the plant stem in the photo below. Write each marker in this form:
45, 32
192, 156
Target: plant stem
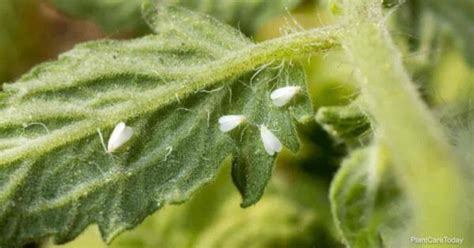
427, 167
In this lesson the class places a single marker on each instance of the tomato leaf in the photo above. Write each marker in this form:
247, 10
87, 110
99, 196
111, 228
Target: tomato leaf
171, 88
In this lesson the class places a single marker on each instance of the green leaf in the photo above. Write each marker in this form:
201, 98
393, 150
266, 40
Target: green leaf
294, 213
111, 15
284, 216
115, 15
248, 16
456, 15
171, 88
458, 119
345, 123
19, 47
368, 207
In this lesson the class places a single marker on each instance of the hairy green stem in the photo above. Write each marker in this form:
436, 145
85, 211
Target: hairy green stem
415, 140
206, 76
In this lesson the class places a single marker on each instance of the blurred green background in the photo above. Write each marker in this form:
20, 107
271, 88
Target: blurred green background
294, 211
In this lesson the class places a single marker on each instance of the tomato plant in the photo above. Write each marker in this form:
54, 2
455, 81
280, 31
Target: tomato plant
339, 123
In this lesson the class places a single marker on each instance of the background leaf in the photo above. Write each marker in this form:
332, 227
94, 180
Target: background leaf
368, 207
56, 179
124, 15
20, 38
345, 123
248, 16
457, 14
111, 15
419, 20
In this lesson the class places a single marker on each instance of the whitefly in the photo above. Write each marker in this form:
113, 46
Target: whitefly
281, 96
229, 122
120, 135
270, 142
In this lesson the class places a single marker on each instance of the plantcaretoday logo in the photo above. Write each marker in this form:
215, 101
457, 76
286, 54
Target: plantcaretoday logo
437, 240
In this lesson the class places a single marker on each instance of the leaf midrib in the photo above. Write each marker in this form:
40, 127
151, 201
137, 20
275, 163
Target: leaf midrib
236, 63
112, 175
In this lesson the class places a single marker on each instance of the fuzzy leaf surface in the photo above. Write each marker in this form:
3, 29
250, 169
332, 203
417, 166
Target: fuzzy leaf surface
368, 206
345, 123
284, 216
171, 88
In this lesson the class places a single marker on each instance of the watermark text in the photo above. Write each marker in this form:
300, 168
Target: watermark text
437, 240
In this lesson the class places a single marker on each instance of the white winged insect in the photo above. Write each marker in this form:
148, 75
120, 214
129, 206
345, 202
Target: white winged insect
270, 142
121, 134
282, 96
229, 122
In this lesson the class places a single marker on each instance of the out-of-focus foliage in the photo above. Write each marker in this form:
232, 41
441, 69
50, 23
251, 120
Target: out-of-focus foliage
458, 16
368, 206
248, 16
111, 15
429, 35
346, 123
452, 80
454, 98
122, 15
32, 32
454, 95
421, 22
19, 45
